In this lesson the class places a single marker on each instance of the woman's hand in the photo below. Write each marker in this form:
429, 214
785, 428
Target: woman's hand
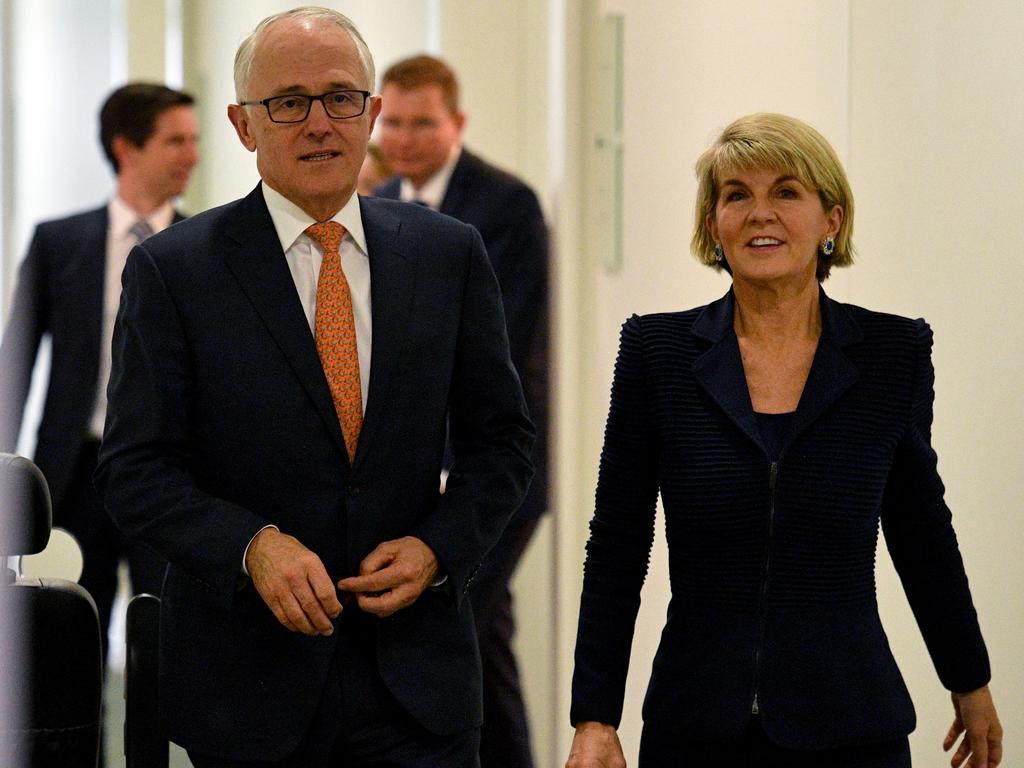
595, 745
976, 717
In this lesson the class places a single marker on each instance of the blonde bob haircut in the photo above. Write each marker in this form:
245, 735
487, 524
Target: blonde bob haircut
784, 144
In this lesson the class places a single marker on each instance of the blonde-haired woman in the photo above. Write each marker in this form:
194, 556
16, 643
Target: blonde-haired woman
780, 427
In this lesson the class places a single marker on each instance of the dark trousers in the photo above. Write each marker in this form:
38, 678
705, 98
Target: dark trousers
103, 546
659, 749
505, 735
359, 724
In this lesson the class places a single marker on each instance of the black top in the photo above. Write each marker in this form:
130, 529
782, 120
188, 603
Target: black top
772, 564
774, 429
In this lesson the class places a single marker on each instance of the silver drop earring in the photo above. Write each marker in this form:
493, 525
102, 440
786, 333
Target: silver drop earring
719, 253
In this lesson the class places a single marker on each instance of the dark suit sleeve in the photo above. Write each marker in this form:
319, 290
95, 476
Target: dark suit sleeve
21, 339
143, 474
523, 270
919, 534
621, 534
523, 274
491, 435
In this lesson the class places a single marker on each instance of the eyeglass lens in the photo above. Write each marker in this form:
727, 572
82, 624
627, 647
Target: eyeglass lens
295, 108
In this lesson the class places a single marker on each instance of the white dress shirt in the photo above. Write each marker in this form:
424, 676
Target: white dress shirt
304, 257
120, 219
433, 191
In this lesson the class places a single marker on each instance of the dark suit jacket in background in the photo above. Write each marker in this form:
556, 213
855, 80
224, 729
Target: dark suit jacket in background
60, 294
508, 216
220, 421
772, 564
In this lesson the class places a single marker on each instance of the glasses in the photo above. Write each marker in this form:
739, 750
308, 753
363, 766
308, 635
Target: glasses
294, 108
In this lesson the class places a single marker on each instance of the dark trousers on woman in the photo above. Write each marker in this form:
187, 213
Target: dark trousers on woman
659, 749
359, 724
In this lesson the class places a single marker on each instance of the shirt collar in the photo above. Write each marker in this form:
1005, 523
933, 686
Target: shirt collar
123, 217
290, 221
432, 193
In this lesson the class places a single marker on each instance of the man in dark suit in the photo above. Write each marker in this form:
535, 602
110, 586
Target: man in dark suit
68, 289
284, 370
421, 136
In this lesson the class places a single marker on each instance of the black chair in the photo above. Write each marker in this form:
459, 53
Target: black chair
50, 662
145, 742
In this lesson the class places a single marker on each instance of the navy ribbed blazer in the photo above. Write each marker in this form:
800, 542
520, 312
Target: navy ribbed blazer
772, 563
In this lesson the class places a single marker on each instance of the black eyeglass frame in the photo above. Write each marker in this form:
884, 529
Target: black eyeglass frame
309, 104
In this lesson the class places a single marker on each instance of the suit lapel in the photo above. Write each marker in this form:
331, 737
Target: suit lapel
91, 277
455, 195
392, 286
252, 252
719, 371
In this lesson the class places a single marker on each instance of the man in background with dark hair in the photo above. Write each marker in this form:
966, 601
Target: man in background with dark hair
69, 285
421, 136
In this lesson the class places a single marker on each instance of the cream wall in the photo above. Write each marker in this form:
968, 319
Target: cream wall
922, 101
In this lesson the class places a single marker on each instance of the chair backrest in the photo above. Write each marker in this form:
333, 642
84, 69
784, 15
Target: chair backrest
50, 663
145, 741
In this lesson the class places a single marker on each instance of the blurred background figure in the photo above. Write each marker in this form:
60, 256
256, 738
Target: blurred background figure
374, 172
420, 131
68, 288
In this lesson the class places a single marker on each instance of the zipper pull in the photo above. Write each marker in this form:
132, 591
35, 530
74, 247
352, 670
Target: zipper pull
754, 709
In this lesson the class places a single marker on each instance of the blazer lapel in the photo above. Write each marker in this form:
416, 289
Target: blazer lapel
252, 251
720, 370
392, 286
832, 372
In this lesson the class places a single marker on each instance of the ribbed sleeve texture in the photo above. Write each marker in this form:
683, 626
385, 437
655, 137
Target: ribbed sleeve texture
773, 587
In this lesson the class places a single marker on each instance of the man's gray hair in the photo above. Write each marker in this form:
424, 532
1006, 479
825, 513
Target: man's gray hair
322, 16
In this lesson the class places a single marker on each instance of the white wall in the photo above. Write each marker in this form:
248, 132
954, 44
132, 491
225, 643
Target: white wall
499, 51
923, 103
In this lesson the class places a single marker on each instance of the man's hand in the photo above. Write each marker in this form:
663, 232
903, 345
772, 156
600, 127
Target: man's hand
293, 583
393, 576
595, 745
976, 718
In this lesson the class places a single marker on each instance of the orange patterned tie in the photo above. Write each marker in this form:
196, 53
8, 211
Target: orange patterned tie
336, 334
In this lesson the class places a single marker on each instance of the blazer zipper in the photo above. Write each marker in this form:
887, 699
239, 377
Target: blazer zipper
773, 476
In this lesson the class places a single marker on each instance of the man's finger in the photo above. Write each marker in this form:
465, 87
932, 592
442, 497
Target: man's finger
378, 581
379, 558
314, 613
325, 593
297, 616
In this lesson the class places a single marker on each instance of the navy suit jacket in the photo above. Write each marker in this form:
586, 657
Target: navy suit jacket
772, 563
59, 294
508, 217
220, 421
